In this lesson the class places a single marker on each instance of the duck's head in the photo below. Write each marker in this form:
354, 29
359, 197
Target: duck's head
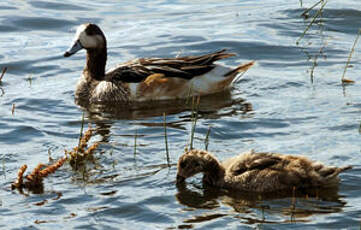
88, 36
191, 163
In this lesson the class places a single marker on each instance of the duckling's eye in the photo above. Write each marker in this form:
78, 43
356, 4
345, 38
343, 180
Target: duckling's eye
196, 164
183, 164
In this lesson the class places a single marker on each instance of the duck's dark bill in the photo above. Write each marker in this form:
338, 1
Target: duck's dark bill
75, 48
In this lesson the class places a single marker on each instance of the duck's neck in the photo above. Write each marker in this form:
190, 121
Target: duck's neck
213, 172
96, 60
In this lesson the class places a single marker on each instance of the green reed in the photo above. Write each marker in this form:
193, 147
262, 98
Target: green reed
314, 64
304, 14
79, 141
3, 73
349, 59
206, 140
194, 118
166, 138
318, 14
135, 142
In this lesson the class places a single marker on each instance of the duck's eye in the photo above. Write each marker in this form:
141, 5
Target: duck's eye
182, 164
196, 164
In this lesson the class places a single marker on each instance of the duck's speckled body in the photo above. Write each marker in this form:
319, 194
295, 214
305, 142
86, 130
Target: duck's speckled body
258, 172
147, 78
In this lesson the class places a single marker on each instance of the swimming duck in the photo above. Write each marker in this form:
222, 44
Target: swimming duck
258, 172
147, 79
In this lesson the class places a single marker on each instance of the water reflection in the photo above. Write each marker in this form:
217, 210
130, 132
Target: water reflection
210, 106
280, 207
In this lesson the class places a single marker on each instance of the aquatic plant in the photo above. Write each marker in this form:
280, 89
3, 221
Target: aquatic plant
82, 153
1, 77
76, 157
343, 79
194, 117
166, 139
315, 16
13, 109
34, 180
3, 73
206, 140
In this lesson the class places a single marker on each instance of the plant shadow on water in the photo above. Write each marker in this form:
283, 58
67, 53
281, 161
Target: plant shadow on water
253, 208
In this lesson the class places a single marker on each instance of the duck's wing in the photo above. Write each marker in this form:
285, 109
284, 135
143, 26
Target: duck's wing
255, 161
185, 67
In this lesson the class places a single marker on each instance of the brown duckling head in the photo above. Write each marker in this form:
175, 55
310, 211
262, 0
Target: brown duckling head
193, 162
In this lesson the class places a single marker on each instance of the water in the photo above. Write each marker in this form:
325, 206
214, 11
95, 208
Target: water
274, 108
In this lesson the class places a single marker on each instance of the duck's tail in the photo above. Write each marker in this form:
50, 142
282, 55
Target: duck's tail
337, 171
237, 73
329, 175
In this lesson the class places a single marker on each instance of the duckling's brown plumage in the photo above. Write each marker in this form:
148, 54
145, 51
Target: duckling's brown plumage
147, 79
258, 172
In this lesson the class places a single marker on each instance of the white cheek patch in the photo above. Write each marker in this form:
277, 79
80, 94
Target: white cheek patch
87, 41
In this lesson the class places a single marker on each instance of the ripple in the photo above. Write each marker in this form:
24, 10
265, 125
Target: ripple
21, 23
57, 6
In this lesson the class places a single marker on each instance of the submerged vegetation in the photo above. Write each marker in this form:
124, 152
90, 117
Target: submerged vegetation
77, 158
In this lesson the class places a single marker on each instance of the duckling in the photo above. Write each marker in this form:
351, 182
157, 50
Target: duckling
147, 79
258, 172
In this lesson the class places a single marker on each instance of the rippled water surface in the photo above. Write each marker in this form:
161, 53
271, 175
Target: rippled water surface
284, 104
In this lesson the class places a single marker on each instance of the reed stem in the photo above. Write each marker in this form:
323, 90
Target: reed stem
349, 58
309, 9
166, 139
206, 141
79, 141
313, 20
135, 142
194, 116
3, 73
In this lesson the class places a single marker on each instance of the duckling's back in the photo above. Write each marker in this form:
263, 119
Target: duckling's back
268, 172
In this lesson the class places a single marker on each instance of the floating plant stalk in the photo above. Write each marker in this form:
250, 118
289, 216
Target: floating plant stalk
315, 63
349, 59
80, 138
3, 73
78, 155
34, 180
206, 141
313, 20
135, 142
195, 108
13, 109
309, 9
166, 138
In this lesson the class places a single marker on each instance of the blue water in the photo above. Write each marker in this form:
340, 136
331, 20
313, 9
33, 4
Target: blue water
282, 104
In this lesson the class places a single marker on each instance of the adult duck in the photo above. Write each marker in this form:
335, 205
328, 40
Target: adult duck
258, 172
147, 79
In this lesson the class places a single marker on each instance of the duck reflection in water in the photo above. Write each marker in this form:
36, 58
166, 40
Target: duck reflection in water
215, 106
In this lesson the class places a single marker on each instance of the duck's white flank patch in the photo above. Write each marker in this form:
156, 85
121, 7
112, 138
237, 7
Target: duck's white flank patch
207, 82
